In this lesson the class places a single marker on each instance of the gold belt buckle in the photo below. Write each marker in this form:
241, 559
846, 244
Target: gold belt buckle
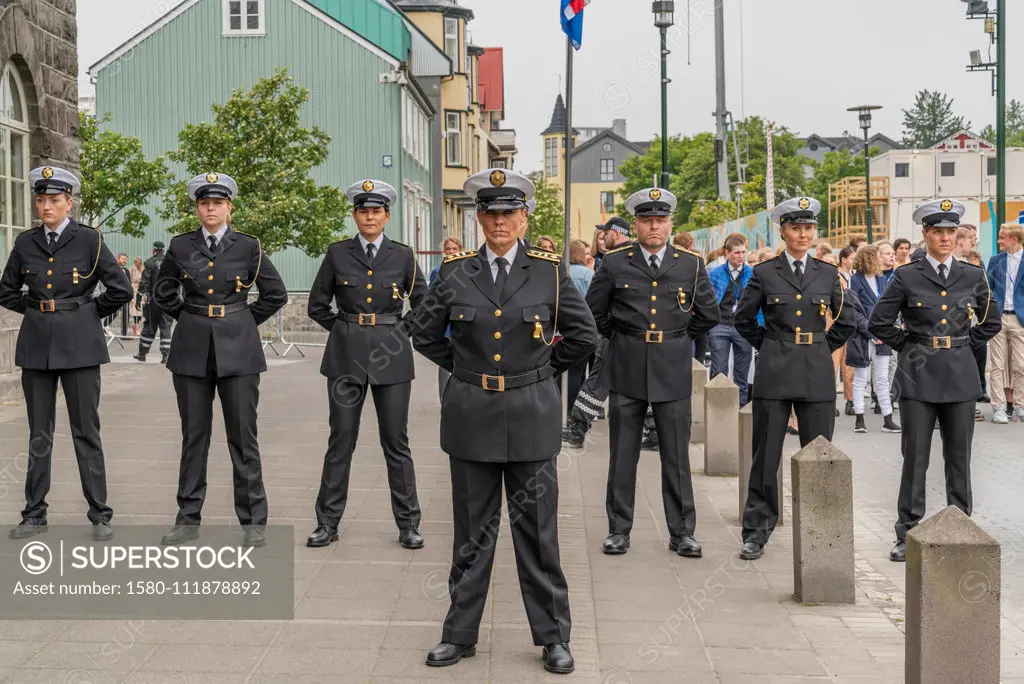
215, 311
498, 384
368, 319
653, 336
804, 338
942, 343
48, 306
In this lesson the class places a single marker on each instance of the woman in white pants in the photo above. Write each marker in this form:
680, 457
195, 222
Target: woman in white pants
864, 353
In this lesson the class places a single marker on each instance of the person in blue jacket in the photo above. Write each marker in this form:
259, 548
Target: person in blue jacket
729, 280
1007, 347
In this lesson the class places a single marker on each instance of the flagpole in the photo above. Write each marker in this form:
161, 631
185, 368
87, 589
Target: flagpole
568, 192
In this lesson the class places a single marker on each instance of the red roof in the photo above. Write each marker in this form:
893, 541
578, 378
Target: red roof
491, 77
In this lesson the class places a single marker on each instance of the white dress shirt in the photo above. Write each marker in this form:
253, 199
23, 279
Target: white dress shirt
59, 229
510, 256
660, 254
1012, 266
376, 243
935, 263
221, 232
792, 260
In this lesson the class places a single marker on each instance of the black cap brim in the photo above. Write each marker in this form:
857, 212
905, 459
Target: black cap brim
501, 205
214, 192
659, 210
943, 220
49, 187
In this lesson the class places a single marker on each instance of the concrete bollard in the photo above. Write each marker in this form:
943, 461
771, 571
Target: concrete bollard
721, 427
823, 524
747, 456
953, 601
700, 378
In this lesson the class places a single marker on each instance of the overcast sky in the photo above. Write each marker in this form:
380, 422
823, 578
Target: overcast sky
803, 61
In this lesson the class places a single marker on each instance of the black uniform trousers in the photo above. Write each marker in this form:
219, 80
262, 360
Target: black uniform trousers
82, 395
531, 490
155, 319
625, 425
391, 402
239, 399
771, 416
956, 428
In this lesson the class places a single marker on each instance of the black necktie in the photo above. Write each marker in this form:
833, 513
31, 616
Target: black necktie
52, 236
213, 244
499, 281
654, 263
370, 248
798, 270
942, 271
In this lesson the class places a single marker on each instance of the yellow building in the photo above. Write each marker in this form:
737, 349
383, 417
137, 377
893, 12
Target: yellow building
472, 106
596, 181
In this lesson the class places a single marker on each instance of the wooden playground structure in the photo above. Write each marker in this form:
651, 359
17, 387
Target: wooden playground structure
847, 206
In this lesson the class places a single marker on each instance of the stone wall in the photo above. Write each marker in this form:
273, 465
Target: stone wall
40, 38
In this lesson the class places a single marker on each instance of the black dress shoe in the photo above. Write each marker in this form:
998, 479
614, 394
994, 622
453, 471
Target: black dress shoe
179, 534
102, 531
140, 357
254, 536
687, 547
28, 528
445, 654
899, 552
410, 538
615, 544
849, 408
751, 551
558, 659
322, 536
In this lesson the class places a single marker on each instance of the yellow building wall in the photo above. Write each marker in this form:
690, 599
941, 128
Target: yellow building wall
586, 207
432, 24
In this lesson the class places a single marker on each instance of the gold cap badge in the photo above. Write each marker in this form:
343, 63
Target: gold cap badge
655, 194
48, 172
367, 186
498, 178
211, 177
947, 205
804, 203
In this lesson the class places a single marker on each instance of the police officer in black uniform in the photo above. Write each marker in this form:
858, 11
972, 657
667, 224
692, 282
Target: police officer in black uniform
650, 299
501, 413
794, 365
216, 349
153, 318
370, 277
61, 339
946, 307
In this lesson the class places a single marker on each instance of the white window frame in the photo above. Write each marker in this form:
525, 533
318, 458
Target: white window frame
451, 33
551, 153
229, 32
499, 163
607, 176
942, 170
895, 169
604, 207
11, 82
453, 140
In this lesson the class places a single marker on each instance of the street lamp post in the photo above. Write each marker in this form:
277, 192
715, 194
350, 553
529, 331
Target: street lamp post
664, 17
864, 112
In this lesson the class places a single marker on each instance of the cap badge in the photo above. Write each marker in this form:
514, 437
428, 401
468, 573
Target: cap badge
211, 177
947, 205
804, 203
497, 178
655, 194
367, 186
48, 173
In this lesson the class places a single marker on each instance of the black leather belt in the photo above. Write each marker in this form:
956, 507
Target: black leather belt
54, 305
216, 310
651, 336
946, 342
800, 338
370, 318
500, 383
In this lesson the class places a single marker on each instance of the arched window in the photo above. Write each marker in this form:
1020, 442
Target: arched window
15, 211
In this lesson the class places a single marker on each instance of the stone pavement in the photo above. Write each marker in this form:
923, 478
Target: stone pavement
368, 610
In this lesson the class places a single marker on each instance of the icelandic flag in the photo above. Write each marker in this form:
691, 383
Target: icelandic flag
572, 20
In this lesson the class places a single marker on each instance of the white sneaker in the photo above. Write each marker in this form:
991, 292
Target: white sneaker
1000, 417
1018, 414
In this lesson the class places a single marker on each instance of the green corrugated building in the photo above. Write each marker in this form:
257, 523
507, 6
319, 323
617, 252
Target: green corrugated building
363, 62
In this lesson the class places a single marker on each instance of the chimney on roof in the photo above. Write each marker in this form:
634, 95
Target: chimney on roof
619, 127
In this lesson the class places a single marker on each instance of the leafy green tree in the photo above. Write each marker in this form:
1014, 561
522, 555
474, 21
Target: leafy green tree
549, 217
1014, 126
256, 137
710, 213
930, 120
117, 179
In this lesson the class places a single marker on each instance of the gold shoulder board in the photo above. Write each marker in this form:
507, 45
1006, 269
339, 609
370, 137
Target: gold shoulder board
546, 256
620, 249
690, 251
459, 255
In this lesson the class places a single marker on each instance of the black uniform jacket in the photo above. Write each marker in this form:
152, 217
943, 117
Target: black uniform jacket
209, 282
632, 305
71, 336
496, 336
791, 367
959, 311
374, 350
